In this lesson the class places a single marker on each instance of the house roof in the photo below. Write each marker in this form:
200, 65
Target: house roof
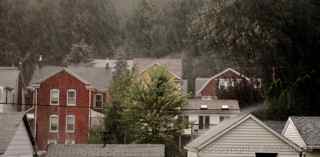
199, 83
101, 63
219, 74
173, 65
309, 129
9, 124
110, 150
276, 125
9, 76
227, 125
98, 78
213, 106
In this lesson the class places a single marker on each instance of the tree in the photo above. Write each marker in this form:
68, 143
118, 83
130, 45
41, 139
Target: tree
80, 53
154, 105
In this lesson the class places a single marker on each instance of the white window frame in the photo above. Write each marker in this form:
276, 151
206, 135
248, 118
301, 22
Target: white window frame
75, 97
95, 100
51, 91
50, 123
69, 141
52, 142
74, 123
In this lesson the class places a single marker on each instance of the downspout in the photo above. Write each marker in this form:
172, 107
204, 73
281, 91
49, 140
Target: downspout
35, 111
89, 113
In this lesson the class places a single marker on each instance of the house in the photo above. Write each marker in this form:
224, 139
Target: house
174, 67
209, 87
66, 99
15, 140
108, 63
305, 132
244, 135
109, 150
10, 91
205, 114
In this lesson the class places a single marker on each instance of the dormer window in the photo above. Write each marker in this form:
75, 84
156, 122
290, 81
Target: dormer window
204, 107
225, 107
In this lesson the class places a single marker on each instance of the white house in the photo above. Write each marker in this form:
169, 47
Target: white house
305, 132
9, 88
204, 114
242, 136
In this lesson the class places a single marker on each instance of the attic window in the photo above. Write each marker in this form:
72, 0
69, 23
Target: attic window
225, 107
204, 107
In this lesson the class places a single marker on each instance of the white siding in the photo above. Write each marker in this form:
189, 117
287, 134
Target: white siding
192, 154
292, 134
247, 139
20, 145
214, 119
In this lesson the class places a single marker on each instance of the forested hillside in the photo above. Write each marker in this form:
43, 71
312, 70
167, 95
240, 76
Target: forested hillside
277, 39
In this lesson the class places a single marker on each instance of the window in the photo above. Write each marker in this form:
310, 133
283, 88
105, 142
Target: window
222, 118
52, 142
98, 100
266, 154
54, 96
68, 141
223, 83
54, 123
204, 122
70, 123
71, 97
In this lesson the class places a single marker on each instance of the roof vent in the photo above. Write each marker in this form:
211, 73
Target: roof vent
204, 107
225, 107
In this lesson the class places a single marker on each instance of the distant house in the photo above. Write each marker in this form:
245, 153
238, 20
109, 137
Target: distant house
65, 99
109, 150
241, 136
209, 87
108, 63
205, 114
15, 141
10, 91
305, 132
174, 67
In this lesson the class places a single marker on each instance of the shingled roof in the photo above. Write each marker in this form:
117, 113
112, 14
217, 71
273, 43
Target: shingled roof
110, 150
309, 129
9, 76
9, 124
173, 65
99, 78
213, 106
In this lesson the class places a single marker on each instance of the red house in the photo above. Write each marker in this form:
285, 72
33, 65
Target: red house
65, 99
209, 87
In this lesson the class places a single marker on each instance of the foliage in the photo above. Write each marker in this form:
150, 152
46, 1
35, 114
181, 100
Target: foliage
95, 136
153, 109
80, 52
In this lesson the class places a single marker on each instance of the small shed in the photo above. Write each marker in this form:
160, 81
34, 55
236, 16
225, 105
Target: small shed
242, 136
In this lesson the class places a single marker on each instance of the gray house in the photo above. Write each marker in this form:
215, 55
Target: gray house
109, 150
204, 114
305, 132
14, 138
9, 88
242, 136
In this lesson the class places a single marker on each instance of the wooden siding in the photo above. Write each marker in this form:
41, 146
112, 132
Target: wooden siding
312, 154
247, 139
20, 144
291, 132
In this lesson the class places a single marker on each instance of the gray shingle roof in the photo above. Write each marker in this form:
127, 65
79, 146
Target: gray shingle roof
111, 150
199, 83
213, 106
173, 65
309, 129
9, 124
99, 78
276, 125
9, 76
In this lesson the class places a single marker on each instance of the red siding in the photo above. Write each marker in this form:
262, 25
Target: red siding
62, 81
211, 88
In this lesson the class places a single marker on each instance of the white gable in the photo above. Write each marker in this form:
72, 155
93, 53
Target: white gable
292, 133
246, 139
